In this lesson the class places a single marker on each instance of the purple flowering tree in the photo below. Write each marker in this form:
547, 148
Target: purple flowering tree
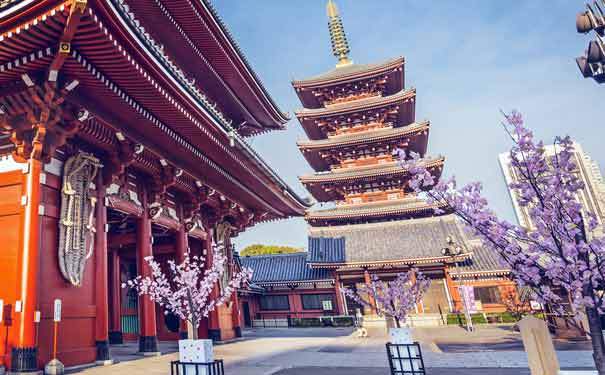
394, 299
187, 290
560, 256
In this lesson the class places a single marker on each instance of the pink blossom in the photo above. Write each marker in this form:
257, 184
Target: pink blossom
187, 291
555, 253
395, 298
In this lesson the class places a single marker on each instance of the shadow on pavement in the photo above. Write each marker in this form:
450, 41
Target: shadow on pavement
385, 371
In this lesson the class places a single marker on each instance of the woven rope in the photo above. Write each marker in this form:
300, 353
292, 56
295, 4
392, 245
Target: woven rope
76, 223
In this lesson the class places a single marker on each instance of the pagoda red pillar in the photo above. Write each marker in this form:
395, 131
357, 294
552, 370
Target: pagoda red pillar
24, 353
368, 281
101, 281
453, 291
148, 342
339, 298
115, 336
419, 305
181, 250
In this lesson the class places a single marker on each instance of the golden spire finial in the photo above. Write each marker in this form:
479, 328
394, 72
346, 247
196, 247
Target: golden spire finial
340, 46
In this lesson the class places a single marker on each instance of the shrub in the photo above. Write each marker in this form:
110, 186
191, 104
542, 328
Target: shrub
306, 322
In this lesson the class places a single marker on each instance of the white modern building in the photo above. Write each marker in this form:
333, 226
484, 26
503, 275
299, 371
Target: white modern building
592, 198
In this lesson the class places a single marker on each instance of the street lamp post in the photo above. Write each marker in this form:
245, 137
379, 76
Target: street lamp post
453, 250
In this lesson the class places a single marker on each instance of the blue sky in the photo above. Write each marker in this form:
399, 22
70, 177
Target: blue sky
467, 59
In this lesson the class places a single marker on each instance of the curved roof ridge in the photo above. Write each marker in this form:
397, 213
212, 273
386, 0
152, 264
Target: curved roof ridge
300, 253
350, 71
358, 105
366, 135
219, 21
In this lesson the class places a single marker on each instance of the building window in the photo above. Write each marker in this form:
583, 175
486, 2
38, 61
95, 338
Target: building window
488, 294
318, 302
274, 303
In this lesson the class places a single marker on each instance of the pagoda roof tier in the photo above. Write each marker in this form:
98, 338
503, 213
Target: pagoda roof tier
401, 242
115, 72
392, 71
371, 212
193, 35
319, 153
397, 109
333, 185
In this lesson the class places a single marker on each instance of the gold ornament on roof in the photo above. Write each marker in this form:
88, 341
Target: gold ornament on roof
340, 46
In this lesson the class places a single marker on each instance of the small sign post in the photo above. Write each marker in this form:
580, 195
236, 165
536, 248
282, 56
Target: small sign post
55, 367
37, 323
56, 320
7, 321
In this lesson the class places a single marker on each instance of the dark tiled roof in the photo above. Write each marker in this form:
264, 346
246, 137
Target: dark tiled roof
326, 250
483, 260
350, 71
387, 207
394, 241
280, 268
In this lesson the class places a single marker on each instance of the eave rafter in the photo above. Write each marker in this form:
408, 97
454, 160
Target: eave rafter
123, 156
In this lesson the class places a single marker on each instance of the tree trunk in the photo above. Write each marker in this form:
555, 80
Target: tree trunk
596, 335
191, 331
397, 323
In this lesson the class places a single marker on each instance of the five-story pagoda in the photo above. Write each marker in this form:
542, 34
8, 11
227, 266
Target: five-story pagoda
359, 118
356, 116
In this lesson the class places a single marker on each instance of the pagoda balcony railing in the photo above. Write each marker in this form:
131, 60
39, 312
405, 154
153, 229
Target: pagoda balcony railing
424, 161
378, 127
405, 200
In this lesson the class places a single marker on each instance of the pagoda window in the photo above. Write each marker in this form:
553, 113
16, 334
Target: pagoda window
488, 294
395, 196
356, 200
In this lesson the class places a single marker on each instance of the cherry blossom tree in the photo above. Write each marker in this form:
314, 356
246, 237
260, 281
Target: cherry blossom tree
561, 255
394, 299
187, 291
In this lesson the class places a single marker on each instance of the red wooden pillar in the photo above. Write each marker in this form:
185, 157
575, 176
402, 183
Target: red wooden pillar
115, 335
148, 342
24, 353
419, 305
101, 281
453, 291
236, 315
214, 328
181, 250
340, 308
368, 281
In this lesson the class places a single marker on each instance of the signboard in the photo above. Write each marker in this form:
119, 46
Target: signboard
1, 309
18, 306
57, 315
535, 305
468, 297
37, 317
6, 315
327, 305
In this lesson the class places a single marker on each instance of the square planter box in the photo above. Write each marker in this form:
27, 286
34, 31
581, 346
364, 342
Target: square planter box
195, 352
404, 355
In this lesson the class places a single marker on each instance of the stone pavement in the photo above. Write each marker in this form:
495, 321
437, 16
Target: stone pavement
328, 351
